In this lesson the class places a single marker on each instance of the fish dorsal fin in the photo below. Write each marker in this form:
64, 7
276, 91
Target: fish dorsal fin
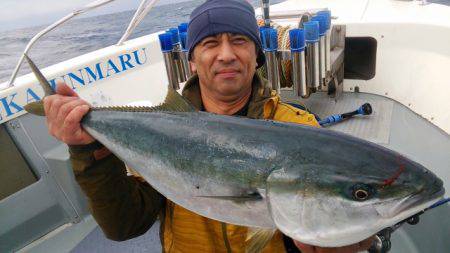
174, 102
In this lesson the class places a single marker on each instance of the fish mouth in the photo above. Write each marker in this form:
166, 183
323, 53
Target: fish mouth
421, 203
411, 205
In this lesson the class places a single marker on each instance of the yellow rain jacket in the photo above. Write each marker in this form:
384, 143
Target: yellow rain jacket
126, 206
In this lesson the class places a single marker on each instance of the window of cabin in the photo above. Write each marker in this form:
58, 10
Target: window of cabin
15, 174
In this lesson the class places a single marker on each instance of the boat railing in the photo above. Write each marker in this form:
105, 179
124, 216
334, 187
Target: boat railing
141, 12
139, 15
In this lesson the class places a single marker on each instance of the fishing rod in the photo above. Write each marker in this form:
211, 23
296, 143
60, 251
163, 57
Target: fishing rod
382, 243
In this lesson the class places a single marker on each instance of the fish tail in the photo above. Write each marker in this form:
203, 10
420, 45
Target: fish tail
37, 107
48, 90
257, 239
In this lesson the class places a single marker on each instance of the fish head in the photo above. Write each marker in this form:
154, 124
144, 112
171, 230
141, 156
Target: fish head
331, 206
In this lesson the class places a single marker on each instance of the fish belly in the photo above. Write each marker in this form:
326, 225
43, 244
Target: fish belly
199, 195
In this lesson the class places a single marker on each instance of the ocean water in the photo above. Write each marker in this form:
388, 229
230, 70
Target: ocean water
83, 35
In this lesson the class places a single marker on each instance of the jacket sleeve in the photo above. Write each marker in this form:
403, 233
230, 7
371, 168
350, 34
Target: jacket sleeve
276, 110
123, 206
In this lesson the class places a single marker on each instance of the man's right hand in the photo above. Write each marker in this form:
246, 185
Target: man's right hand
64, 111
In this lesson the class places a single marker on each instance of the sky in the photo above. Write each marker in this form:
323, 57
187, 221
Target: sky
25, 13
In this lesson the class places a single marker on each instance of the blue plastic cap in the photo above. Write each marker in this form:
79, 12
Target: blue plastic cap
183, 37
311, 31
182, 28
269, 39
261, 30
322, 24
175, 35
165, 40
327, 15
297, 39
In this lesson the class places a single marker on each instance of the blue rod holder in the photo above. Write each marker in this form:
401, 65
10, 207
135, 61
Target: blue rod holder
269, 39
165, 41
183, 27
327, 15
322, 24
175, 35
297, 40
183, 38
311, 31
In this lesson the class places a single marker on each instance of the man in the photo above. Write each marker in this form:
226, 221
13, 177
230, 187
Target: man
224, 52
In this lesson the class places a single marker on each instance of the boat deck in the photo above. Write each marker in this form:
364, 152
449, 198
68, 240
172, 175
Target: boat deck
97, 242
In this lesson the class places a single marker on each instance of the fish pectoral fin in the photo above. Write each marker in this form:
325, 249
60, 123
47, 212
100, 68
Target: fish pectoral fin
257, 239
36, 108
254, 196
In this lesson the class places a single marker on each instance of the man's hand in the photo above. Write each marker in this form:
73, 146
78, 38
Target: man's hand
354, 248
64, 112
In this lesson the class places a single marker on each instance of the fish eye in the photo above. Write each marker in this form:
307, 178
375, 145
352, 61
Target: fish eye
362, 192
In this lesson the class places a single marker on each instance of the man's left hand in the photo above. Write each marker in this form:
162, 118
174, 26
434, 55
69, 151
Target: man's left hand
354, 248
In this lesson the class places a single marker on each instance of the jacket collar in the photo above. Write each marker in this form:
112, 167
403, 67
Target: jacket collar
261, 93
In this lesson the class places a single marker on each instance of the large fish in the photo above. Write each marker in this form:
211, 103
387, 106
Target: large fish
315, 185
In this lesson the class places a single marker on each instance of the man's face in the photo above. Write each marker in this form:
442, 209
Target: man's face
225, 63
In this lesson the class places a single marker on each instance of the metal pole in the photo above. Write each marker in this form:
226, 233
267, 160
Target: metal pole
297, 44
299, 74
270, 46
185, 64
184, 52
312, 52
328, 51
170, 69
166, 43
272, 70
327, 16
322, 58
322, 50
265, 6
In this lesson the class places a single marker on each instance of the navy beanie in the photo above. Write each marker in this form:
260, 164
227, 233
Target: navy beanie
224, 16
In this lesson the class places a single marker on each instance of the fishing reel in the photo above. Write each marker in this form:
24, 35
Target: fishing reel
382, 243
365, 109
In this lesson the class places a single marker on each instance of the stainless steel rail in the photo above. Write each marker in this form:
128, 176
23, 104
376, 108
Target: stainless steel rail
141, 12
51, 27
